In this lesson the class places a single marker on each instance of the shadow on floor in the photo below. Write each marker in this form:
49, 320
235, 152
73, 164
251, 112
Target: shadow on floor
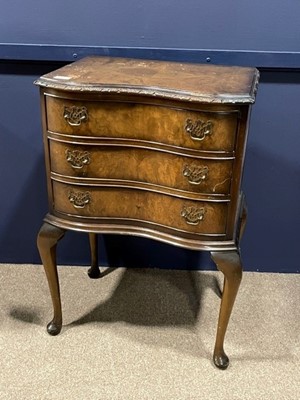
151, 297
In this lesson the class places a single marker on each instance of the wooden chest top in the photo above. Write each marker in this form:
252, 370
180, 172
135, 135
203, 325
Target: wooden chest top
173, 80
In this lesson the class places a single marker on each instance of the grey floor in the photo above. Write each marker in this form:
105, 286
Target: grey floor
147, 334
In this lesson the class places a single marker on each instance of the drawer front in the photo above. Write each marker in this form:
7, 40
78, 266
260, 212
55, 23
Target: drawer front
141, 165
210, 131
185, 215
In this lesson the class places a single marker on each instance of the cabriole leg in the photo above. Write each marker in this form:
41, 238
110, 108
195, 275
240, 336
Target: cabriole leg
229, 263
94, 271
47, 240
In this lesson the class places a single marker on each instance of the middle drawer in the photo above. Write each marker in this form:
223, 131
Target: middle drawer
199, 175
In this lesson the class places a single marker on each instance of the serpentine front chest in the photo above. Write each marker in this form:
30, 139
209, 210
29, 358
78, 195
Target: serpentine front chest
147, 148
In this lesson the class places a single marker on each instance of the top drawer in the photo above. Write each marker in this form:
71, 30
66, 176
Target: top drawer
203, 130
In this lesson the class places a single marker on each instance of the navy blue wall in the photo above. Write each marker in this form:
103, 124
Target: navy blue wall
272, 169
190, 24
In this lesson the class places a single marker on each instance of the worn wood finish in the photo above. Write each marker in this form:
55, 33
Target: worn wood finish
147, 148
182, 81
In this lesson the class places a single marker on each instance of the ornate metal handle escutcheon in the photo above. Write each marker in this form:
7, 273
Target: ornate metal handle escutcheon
193, 215
195, 174
75, 115
79, 199
78, 159
198, 130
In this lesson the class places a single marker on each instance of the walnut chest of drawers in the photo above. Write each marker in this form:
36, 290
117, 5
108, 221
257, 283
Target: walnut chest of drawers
152, 149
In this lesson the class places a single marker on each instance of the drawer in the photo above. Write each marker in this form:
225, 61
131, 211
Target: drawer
142, 165
185, 215
210, 131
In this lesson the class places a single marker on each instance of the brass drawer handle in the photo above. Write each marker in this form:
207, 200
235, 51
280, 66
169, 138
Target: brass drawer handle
75, 115
79, 199
78, 159
195, 174
193, 215
198, 130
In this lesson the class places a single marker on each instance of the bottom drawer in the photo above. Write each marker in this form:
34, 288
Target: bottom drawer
198, 217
